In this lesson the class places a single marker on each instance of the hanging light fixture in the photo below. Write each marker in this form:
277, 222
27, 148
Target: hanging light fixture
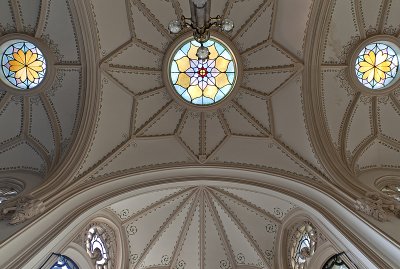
201, 23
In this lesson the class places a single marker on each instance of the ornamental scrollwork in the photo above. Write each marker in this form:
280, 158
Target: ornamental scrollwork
21, 209
378, 206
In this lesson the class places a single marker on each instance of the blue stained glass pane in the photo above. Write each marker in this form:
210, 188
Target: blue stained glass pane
219, 48
231, 77
225, 90
209, 43
174, 77
226, 55
219, 96
186, 96
207, 101
174, 67
198, 101
179, 55
179, 89
185, 48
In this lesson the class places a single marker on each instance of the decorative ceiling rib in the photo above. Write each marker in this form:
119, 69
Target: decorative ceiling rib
202, 227
362, 127
41, 125
145, 124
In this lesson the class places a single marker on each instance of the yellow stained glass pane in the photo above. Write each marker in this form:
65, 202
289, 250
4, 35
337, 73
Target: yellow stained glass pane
221, 64
210, 92
195, 92
213, 52
183, 64
183, 80
221, 80
192, 52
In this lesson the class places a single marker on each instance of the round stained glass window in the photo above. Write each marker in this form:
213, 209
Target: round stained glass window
23, 64
377, 65
203, 82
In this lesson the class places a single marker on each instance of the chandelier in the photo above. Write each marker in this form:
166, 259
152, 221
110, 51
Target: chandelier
201, 23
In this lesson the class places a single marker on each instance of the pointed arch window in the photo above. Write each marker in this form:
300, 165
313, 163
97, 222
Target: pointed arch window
336, 262
97, 248
64, 262
302, 246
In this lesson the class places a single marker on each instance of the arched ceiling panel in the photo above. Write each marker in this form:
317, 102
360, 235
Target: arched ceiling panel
202, 226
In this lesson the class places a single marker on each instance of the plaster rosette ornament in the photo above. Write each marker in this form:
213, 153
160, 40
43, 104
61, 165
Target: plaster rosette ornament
22, 209
378, 206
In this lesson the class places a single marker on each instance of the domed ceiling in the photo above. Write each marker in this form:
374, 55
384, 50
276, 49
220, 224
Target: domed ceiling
141, 126
202, 227
38, 127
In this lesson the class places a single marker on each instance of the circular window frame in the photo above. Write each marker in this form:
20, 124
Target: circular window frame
391, 41
167, 76
50, 73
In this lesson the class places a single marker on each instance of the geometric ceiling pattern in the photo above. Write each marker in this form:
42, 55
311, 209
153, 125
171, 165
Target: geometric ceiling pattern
37, 128
364, 128
139, 124
201, 227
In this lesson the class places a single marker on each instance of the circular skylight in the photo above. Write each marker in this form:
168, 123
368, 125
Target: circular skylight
23, 64
377, 65
203, 82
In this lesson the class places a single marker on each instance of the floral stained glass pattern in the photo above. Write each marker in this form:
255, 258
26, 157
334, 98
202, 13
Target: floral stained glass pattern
203, 82
377, 66
23, 65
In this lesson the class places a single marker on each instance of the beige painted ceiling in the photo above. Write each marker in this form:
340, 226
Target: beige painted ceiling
202, 227
36, 130
141, 126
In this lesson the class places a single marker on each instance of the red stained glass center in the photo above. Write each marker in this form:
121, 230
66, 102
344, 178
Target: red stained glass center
202, 72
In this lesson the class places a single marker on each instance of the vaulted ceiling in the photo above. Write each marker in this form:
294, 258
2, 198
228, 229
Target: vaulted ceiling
266, 125
37, 129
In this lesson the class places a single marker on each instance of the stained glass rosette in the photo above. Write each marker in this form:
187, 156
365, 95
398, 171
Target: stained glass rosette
377, 66
203, 82
23, 65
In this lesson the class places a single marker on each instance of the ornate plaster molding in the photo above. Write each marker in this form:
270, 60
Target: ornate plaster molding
21, 209
377, 205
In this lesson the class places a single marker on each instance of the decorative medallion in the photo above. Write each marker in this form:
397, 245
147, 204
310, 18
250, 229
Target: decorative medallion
23, 64
202, 82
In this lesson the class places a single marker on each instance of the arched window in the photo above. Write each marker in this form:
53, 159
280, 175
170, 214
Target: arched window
64, 262
335, 262
302, 245
96, 247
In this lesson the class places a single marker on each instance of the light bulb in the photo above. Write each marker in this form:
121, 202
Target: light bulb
175, 26
203, 53
227, 25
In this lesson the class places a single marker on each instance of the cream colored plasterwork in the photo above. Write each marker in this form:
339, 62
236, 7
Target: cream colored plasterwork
205, 134
48, 148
